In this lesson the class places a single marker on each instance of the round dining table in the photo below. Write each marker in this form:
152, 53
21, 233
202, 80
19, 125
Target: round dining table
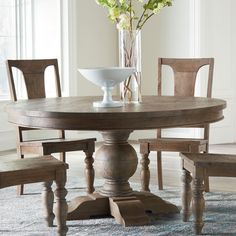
116, 160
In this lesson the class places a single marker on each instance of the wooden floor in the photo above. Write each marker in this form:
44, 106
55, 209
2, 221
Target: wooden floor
171, 167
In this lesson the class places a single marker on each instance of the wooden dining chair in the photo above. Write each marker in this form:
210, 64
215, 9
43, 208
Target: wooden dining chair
185, 73
33, 76
40, 169
194, 166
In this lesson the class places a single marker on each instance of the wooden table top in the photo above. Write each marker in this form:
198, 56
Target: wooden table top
78, 113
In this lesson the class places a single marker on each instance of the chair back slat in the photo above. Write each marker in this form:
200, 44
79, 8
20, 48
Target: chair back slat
184, 83
35, 85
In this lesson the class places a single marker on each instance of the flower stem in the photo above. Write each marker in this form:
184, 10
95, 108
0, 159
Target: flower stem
139, 25
130, 14
146, 20
140, 19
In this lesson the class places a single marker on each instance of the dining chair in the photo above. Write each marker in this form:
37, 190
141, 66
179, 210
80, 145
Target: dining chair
32, 74
185, 72
194, 166
40, 169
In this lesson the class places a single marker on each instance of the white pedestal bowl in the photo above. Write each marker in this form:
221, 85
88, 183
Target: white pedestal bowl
107, 78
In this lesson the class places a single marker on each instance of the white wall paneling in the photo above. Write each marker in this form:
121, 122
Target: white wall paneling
217, 33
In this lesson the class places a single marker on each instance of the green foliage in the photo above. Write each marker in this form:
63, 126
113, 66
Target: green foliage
124, 12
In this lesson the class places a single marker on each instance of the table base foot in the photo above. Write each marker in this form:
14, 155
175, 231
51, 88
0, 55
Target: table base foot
155, 204
128, 211
88, 206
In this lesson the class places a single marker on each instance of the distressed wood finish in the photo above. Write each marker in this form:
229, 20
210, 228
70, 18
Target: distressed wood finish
116, 160
222, 165
145, 172
184, 78
33, 76
187, 195
40, 169
127, 210
78, 113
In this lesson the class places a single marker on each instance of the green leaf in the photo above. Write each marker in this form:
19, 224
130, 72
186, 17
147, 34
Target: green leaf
123, 12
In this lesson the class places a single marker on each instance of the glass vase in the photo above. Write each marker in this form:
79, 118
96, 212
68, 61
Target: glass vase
130, 56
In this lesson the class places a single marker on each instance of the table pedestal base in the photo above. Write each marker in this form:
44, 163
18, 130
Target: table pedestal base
128, 211
116, 161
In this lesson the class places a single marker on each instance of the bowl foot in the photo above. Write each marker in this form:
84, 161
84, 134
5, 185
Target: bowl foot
108, 104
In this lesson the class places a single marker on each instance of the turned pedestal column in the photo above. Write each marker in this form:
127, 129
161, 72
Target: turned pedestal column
116, 161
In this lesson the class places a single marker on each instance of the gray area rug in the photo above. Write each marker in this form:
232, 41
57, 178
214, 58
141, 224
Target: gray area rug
23, 215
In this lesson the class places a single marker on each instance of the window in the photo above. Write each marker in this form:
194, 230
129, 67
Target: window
28, 29
7, 41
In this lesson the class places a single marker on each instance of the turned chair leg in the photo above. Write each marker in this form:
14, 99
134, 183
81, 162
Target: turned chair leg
159, 171
61, 204
206, 177
145, 172
186, 195
198, 204
63, 156
20, 188
206, 182
47, 198
89, 171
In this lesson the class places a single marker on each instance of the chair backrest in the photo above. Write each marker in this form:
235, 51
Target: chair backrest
33, 72
34, 77
185, 72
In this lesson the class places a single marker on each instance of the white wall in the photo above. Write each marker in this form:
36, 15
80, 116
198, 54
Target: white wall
96, 43
164, 35
218, 40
